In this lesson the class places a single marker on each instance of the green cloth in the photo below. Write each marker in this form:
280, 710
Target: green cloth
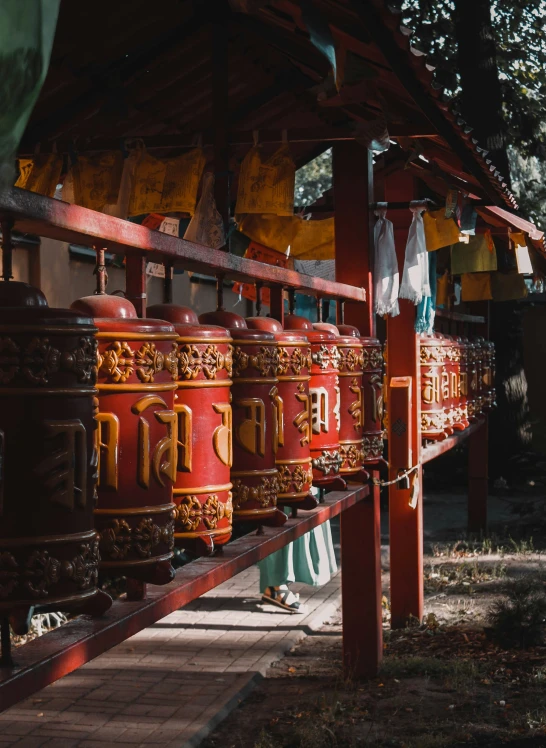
27, 28
474, 257
309, 559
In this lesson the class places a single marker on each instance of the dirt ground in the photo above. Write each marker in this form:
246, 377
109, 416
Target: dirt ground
445, 681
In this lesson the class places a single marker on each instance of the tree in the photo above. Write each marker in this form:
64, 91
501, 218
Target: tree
313, 179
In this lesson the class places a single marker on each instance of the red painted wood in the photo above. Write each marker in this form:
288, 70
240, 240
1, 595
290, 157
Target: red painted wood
405, 523
50, 657
353, 192
44, 216
435, 449
478, 477
276, 309
361, 587
135, 282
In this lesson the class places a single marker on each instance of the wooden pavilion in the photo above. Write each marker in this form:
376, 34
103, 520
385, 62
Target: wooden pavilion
177, 71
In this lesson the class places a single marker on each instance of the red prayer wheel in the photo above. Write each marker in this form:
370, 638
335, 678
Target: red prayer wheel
482, 355
136, 439
489, 375
433, 418
472, 363
49, 548
351, 429
463, 381
257, 413
202, 491
293, 455
451, 385
325, 401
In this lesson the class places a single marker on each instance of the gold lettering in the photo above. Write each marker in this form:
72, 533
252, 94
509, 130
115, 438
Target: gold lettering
65, 470
319, 409
378, 401
250, 433
107, 449
445, 385
463, 383
166, 446
302, 420
221, 438
454, 384
431, 387
355, 408
278, 419
184, 443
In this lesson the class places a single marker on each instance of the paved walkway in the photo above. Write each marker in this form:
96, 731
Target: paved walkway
172, 683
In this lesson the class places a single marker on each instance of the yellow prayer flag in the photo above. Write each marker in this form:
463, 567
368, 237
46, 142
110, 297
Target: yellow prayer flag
181, 184
40, 174
315, 240
478, 256
439, 230
508, 286
266, 186
275, 232
442, 290
476, 287
97, 179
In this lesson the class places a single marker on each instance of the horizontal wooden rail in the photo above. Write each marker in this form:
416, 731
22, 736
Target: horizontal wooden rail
54, 655
44, 216
460, 317
435, 449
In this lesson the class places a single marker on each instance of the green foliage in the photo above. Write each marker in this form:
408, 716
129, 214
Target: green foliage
520, 619
313, 179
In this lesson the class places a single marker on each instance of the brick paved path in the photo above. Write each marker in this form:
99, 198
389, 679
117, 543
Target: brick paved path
172, 683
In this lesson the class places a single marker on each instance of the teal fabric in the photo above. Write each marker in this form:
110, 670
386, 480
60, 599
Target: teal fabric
426, 309
309, 560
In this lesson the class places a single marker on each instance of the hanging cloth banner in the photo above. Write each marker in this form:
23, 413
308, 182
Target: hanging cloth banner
260, 253
266, 186
27, 31
415, 279
387, 276
478, 256
276, 232
314, 240
40, 174
206, 226
426, 309
476, 287
320, 33
439, 230
508, 286
97, 179
166, 186
443, 290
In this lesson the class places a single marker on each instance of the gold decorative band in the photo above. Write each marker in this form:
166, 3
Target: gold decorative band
48, 602
305, 461
351, 441
203, 341
188, 385
136, 562
144, 336
202, 489
256, 341
293, 379
350, 469
253, 473
39, 391
77, 537
358, 373
151, 387
204, 533
256, 380
290, 495
254, 512
159, 509
53, 330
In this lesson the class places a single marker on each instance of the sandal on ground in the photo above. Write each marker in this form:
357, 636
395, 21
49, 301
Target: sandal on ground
283, 598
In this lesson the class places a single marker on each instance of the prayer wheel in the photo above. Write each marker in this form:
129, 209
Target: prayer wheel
372, 395
472, 370
433, 418
325, 402
463, 381
293, 455
257, 414
489, 375
49, 548
202, 491
351, 411
136, 439
479, 358
451, 385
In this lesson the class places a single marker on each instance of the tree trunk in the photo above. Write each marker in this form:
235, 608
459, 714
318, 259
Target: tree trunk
481, 98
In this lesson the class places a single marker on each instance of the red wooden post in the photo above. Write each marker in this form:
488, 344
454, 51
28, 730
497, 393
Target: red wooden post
478, 479
276, 309
353, 192
361, 586
405, 522
135, 281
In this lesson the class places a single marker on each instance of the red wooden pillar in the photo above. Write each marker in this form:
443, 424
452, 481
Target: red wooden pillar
405, 522
276, 309
135, 281
478, 479
361, 586
360, 525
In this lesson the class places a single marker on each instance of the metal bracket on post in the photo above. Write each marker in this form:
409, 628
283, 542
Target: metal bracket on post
399, 432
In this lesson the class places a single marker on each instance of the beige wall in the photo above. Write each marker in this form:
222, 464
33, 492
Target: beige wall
63, 280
